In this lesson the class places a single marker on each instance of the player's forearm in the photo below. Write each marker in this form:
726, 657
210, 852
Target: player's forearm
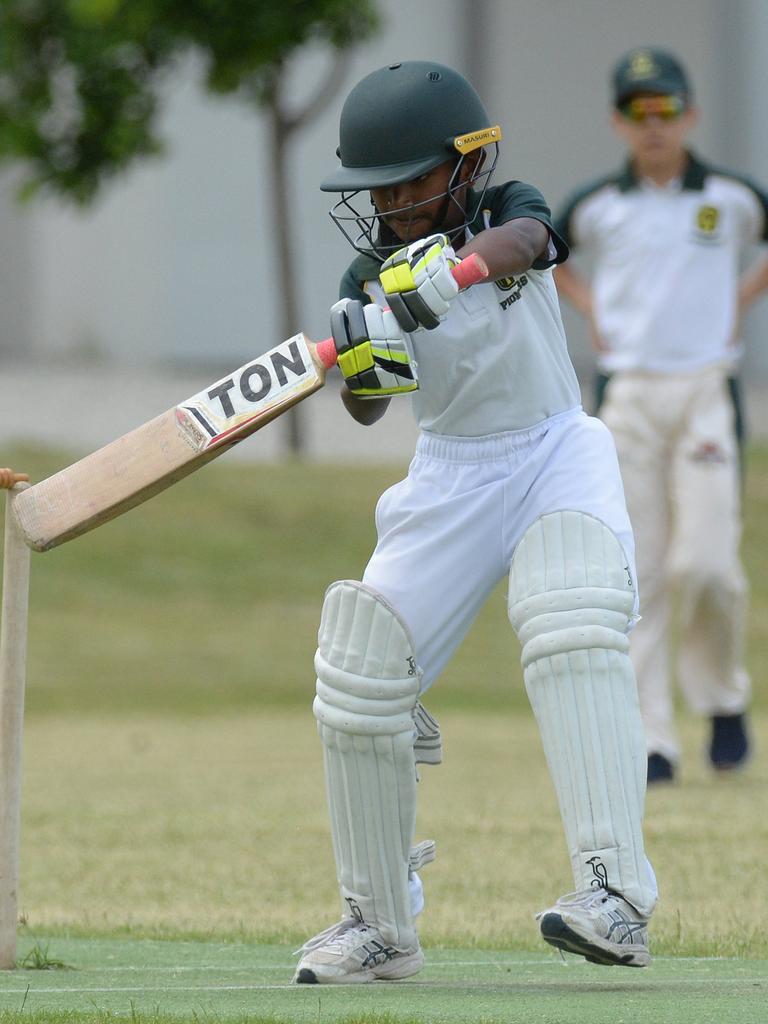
573, 287
511, 248
753, 283
363, 410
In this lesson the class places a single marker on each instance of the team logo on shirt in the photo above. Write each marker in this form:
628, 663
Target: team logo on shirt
514, 285
707, 224
506, 284
707, 218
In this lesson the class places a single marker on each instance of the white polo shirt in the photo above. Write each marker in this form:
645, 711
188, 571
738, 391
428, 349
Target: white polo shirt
499, 360
666, 264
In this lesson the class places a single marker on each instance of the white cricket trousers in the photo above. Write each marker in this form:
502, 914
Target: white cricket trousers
679, 459
447, 533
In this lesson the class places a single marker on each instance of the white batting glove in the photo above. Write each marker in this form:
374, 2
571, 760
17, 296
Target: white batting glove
371, 351
418, 283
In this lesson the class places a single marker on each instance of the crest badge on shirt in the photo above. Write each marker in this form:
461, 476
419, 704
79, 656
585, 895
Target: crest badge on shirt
708, 224
513, 285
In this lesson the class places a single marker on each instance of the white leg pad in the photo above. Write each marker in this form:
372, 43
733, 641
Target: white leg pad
571, 602
367, 690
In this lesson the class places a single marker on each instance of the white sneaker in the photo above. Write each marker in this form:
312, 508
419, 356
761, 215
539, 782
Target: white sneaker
351, 952
598, 925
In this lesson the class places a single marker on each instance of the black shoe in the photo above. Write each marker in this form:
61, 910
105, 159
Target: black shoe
729, 746
660, 769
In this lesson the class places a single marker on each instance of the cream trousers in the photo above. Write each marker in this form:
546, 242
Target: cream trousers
679, 461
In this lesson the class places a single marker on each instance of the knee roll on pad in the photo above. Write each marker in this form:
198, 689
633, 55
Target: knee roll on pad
367, 691
571, 602
570, 587
367, 680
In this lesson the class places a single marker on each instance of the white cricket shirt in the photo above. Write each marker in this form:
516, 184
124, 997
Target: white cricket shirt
666, 264
499, 360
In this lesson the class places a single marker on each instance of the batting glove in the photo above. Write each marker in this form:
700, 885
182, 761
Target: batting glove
371, 350
418, 282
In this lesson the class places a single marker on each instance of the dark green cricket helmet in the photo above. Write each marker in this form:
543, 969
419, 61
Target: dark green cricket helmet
401, 121
397, 124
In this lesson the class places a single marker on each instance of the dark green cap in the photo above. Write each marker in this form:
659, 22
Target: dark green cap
648, 69
402, 120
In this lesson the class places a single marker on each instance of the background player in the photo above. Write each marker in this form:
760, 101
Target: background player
510, 477
666, 233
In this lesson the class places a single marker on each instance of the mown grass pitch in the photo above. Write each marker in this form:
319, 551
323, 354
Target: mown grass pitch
159, 982
173, 787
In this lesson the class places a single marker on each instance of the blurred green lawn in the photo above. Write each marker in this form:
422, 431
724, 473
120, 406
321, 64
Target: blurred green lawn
172, 775
207, 598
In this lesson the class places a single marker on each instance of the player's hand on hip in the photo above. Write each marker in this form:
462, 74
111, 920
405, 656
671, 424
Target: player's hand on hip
418, 283
372, 352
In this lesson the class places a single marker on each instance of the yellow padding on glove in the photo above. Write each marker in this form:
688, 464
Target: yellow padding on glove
356, 360
379, 393
397, 278
392, 355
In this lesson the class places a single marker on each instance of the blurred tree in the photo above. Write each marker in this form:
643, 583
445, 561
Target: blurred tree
80, 87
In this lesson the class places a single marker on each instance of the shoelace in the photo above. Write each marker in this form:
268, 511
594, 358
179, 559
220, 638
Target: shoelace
587, 899
337, 934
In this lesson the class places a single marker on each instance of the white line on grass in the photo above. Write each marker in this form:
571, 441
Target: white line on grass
415, 983
229, 968
137, 989
551, 962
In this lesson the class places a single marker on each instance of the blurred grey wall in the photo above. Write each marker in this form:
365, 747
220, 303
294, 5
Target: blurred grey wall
174, 262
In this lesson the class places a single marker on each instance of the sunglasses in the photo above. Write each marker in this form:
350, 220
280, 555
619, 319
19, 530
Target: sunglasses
665, 108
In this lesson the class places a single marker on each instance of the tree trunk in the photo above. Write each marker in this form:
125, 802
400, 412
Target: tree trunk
292, 421
283, 128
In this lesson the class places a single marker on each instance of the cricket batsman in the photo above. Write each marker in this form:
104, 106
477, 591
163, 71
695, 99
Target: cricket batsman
510, 478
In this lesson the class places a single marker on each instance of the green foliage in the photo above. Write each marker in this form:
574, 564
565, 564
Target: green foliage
37, 959
79, 79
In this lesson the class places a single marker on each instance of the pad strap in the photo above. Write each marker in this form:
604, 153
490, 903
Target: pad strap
428, 745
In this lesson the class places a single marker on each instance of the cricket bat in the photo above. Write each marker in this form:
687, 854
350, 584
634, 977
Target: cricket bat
162, 451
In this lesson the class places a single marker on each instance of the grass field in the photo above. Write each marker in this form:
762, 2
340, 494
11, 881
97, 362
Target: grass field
214, 982
174, 825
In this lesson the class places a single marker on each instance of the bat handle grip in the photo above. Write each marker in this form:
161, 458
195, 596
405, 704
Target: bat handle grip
326, 352
472, 270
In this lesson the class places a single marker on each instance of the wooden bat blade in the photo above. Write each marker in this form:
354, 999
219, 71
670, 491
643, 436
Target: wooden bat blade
150, 458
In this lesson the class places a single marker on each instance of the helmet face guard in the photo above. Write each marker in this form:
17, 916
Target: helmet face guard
369, 233
398, 124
